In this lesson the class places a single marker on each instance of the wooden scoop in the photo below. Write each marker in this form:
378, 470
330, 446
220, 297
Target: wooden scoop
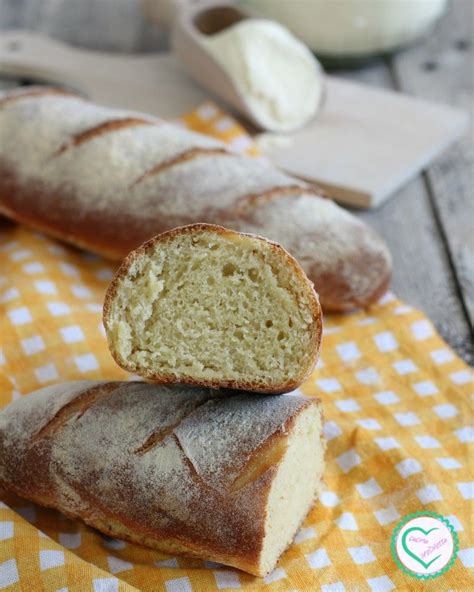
192, 24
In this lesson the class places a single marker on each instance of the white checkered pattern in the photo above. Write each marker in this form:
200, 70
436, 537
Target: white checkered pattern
50, 559
369, 488
6, 530
8, 295
81, 291
428, 442
105, 274
407, 419
207, 111
387, 398
86, 362
117, 565
448, 463
329, 499
405, 367
20, 316
33, 345
45, 287
442, 356
331, 430
348, 405
456, 524
387, 443
276, 575
386, 515
346, 521
69, 270
465, 434
179, 585
466, 489
20, 255
173, 563
361, 555
395, 401
425, 388
329, 385
428, 494
422, 330
368, 376
304, 534
462, 377
348, 460
466, 557
72, 334
318, 559
369, 424
106, 585
386, 341
445, 411
46, 373
70, 540
348, 351
407, 467
9, 573
381, 584
33, 267
58, 308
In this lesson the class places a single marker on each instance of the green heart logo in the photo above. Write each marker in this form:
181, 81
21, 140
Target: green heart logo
411, 551
413, 555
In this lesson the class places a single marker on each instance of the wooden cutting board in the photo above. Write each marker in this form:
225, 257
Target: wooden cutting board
364, 146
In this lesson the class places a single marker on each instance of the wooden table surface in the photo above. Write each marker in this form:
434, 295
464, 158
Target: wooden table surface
428, 225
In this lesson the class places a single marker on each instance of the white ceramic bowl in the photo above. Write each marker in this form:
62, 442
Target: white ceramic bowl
352, 28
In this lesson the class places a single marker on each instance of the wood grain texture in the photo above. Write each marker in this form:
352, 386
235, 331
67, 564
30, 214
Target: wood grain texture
442, 69
108, 25
7, 84
422, 273
12, 13
428, 225
408, 224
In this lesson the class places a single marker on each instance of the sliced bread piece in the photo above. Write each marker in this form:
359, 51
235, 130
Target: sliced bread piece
209, 306
179, 469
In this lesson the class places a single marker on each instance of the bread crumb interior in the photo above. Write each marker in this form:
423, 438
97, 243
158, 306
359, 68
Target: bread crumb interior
294, 488
213, 306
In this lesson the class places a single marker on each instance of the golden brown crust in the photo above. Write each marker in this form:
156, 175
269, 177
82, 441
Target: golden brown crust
143, 205
79, 234
287, 259
108, 524
153, 499
34, 91
244, 205
102, 128
178, 159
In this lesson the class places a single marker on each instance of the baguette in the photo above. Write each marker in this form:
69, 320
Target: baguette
108, 180
181, 470
212, 307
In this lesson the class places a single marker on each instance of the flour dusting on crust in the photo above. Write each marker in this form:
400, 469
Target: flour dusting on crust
101, 192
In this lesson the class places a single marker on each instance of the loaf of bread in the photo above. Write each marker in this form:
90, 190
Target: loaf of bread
181, 470
108, 180
213, 307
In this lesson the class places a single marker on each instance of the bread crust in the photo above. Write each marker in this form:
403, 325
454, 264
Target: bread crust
195, 229
352, 272
55, 451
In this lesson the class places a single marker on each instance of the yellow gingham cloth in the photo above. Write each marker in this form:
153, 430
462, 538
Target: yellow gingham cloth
398, 408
